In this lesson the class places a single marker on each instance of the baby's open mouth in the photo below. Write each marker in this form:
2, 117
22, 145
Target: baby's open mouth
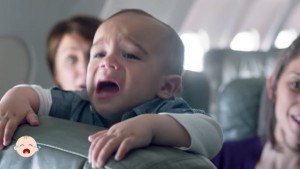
26, 150
107, 86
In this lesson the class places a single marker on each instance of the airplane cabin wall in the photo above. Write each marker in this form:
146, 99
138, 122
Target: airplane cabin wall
172, 12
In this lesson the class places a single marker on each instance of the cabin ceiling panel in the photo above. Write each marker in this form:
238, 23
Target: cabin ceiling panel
293, 20
172, 12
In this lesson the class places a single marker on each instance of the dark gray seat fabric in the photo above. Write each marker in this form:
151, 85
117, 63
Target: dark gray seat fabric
64, 145
239, 107
224, 65
195, 89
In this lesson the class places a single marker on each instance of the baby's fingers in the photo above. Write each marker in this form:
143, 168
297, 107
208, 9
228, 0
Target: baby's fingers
91, 138
107, 150
3, 122
32, 118
126, 145
95, 149
10, 129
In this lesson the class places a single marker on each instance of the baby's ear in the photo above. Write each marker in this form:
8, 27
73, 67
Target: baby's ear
171, 85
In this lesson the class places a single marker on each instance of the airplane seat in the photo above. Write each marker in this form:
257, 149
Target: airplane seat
64, 144
195, 89
239, 106
15, 63
221, 66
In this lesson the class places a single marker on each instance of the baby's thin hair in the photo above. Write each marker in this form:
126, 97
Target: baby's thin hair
175, 62
137, 11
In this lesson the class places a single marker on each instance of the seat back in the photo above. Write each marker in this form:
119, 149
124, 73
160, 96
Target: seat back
239, 106
224, 65
195, 89
64, 144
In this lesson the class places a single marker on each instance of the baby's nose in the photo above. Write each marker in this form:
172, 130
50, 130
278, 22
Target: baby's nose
110, 63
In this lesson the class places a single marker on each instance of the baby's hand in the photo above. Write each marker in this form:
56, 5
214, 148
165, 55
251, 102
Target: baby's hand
15, 109
121, 138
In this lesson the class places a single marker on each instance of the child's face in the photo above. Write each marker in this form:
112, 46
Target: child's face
125, 67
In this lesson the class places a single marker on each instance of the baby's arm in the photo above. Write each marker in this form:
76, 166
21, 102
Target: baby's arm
18, 105
156, 129
206, 134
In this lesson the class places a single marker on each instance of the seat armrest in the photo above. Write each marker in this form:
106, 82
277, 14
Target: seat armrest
64, 144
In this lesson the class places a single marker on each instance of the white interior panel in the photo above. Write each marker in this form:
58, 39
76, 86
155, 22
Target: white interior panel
14, 63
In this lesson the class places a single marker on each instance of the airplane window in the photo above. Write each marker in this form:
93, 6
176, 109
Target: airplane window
195, 44
245, 41
285, 38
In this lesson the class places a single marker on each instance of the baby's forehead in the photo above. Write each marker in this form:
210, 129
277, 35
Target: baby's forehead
142, 28
136, 22
142, 18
